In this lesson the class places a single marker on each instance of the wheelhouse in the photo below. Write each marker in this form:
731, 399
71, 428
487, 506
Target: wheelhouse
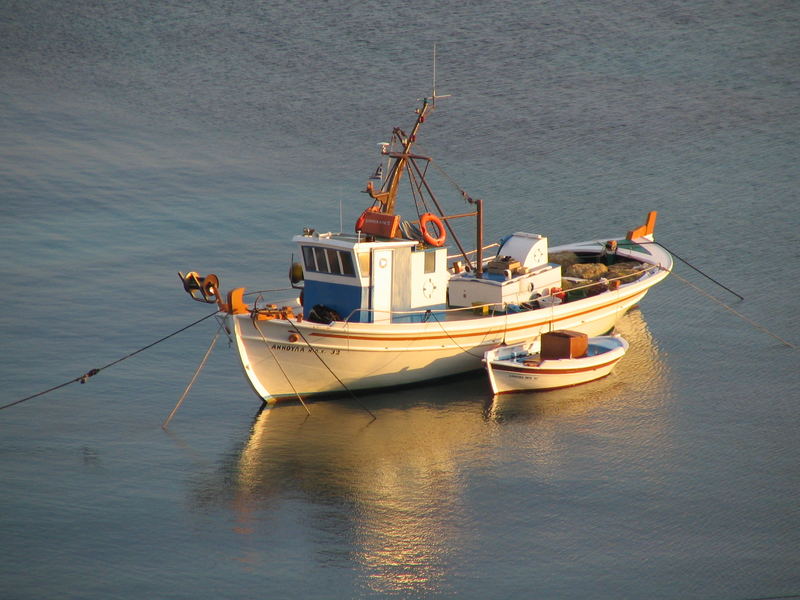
356, 278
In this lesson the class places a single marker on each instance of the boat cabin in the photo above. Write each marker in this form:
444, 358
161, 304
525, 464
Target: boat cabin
364, 280
518, 275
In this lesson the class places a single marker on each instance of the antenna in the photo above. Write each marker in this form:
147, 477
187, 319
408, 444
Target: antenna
434, 96
434, 73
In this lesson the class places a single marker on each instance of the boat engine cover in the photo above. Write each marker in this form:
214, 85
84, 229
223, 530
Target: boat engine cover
530, 249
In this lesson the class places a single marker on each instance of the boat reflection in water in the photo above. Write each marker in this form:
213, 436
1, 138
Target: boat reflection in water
383, 494
389, 495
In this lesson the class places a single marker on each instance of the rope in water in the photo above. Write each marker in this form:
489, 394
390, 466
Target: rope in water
688, 264
734, 311
91, 373
717, 300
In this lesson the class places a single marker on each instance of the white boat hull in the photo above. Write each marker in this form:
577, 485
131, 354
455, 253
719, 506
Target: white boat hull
512, 374
284, 358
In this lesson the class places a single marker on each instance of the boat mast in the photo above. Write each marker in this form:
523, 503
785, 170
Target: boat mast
388, 194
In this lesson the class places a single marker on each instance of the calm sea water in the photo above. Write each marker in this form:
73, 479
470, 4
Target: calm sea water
139, 139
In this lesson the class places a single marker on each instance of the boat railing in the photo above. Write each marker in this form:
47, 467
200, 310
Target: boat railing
424, 314
544, 301
273, 303
471, 252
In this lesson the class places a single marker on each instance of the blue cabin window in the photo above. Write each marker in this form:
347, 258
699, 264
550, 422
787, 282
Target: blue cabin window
328, 260
333, 261
308, 258
347, 264
321, 260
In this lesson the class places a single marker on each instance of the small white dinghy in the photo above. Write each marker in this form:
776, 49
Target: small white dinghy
556, 359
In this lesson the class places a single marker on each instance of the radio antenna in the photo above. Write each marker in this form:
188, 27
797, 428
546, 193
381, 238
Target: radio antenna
434, 72
434, 96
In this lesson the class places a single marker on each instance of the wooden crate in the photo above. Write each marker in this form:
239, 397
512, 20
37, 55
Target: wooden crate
564, 344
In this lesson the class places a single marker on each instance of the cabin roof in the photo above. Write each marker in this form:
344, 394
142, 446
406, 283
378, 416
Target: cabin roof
350, 241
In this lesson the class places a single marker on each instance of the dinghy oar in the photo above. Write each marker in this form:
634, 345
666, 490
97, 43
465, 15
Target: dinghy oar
194, 377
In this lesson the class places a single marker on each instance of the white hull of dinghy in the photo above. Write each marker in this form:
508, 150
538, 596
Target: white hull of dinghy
515, 374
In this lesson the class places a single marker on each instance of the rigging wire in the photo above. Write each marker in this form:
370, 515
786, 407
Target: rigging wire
450, 180
446, 175
416, 193
91, 373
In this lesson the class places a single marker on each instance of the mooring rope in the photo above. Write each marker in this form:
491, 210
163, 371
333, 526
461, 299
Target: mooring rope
91, 373
688, 264
314, 350
734, 311
447, 333
275, 358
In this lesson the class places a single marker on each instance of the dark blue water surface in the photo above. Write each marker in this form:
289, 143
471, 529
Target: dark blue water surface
140, 139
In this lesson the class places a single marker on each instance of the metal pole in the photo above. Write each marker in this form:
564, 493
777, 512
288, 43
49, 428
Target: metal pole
479, 256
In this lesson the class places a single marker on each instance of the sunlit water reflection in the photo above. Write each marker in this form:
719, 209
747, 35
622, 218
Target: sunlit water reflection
391, 493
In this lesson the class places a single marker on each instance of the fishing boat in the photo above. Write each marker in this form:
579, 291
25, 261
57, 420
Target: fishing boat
387, 305
556, 359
